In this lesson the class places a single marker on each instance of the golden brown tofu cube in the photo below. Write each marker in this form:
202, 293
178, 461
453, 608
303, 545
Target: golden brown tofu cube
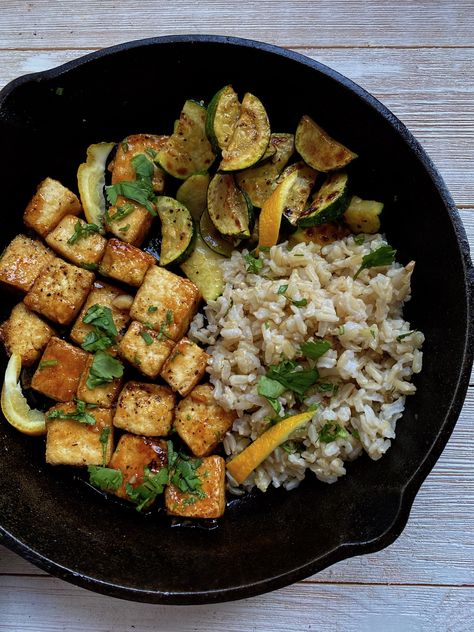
132, 455
70, 442
145, 409
125, 263
107, 295
166, 302
147, 144
185, 366
51, 202
22, 261
201, 422
59, 370
210, 503
145, 349
129, 221
59, 291
103, 395
79, 248
26, 334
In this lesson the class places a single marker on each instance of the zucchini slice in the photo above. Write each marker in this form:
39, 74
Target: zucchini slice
329, 202
250, 137
193, 194
204, 268
260, 181
91, 180
213, 238
188, 149
322, 235
300, 191
318, 149
229, 208
222, 115
178, 232
362, 216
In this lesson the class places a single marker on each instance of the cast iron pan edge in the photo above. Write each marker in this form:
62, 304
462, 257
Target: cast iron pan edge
408, 493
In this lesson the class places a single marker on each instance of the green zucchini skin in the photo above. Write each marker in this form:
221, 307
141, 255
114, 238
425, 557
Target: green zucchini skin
329, 203
213, 238
318, 149
229, 208
222, 115
178, 231
204, 269
188, 149
300, 191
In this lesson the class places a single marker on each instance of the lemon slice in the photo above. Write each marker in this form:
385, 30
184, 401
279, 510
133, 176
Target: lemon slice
14, 405
91, 181
250, 458
272, 211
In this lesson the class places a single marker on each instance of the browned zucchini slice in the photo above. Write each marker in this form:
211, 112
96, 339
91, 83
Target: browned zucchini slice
229, 208
318, 149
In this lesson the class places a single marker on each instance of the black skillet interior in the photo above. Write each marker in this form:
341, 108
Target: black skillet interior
265, 541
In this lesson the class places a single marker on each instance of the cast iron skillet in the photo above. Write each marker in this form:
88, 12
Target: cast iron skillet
270, 540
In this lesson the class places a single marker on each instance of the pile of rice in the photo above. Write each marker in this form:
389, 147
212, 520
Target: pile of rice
251, 327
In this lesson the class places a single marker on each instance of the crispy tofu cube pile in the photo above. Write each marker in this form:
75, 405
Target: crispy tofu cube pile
103, 328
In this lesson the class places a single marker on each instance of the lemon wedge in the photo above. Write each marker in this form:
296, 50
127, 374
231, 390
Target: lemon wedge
250, 458
272, 211
14, 405
91, 180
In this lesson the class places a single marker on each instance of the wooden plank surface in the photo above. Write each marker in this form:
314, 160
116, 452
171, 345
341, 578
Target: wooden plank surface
417, 58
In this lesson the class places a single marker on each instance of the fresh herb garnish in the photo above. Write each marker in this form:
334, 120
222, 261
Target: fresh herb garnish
153, 485
80, 414
96, 341
183, 472
340, 330
169, 319
146, 337
332, 431
104, 369
139, 190
121, 212
143, 166
325, 387
302, 303
359, 239
104, 439
152, 309
315, 349
271, 390
124, 144
383, 256
81, 230
105, 478
151, 152
408, 333
101, 317
92, 267
44, 364
254, 264
292, 377
124, 229
282, 289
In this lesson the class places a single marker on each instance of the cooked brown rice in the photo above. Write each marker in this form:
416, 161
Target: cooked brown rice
251, 326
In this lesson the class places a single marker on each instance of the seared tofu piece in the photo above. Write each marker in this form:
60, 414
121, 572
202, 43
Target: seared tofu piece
166, 302
109, 296
59, 370
145, 349
26, 334
22, 261
185, 366
51, 202
59, 291
201, 422
86, 248
103, 395
146, 409
132, 455
210, 502
129, 221
125, 263
147, 144
70, 442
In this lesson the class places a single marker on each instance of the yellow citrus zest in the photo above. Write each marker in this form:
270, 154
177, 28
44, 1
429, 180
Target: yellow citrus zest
14, 405
250, 458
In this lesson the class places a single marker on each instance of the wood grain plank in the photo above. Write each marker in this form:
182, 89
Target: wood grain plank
32, 604
437, 104
53, 23
436, 546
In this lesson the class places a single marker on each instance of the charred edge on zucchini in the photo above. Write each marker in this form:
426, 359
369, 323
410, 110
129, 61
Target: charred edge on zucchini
318, 149
229, 208
213, 238
329, 203
177, 230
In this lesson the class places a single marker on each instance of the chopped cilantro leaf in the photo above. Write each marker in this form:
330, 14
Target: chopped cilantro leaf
152, 309
408, 333
383, 256
143, 166
146, 337
254, 264
104, 439
105, 478
302, 303
359, 239
282, 289
101, 317
80, 414
153, 485
44, 364
332, 431
289, 374
315, 349
104, 369
82, 230
89, 266
121, 212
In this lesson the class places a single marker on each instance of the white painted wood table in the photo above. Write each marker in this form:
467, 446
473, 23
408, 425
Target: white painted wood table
417, 58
